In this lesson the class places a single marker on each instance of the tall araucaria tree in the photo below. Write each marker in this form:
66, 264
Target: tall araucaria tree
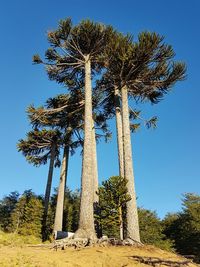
65, 112
78, 52
61, 112
38, 147
111, 107
143, 71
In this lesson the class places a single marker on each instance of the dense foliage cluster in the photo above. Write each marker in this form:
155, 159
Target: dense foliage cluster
113, 196
184, 227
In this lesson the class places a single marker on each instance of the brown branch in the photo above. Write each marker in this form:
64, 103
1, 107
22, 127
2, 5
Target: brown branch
77, 47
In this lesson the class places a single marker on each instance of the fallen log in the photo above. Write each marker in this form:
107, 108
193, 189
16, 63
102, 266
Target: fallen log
189, 257
154, 261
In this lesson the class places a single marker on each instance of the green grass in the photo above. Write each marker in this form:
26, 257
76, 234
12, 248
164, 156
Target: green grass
15, 240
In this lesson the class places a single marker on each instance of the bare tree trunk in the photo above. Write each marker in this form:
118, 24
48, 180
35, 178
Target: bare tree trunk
48, 190
95, 166
119, 132
121, 230
58, 222
86, 221
95, 179
132, 215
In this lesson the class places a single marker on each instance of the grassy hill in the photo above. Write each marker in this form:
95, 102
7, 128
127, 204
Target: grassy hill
16, 253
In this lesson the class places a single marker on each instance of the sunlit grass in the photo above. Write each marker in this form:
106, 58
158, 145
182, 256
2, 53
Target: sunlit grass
15, 240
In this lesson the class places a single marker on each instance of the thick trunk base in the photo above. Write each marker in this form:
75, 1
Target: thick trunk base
68, 242
79, 243
131, 242
86, 233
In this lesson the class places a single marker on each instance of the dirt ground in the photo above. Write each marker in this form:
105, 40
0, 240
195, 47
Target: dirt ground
86, 257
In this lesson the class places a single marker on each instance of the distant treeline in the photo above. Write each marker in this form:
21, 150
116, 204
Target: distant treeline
180, 231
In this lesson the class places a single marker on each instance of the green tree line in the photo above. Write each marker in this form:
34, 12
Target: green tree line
22, 214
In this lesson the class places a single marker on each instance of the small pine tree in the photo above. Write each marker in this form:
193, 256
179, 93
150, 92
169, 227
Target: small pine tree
112, 199
27, 216
32, 218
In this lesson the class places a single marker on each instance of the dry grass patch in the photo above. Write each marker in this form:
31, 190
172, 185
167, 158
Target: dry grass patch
87, 257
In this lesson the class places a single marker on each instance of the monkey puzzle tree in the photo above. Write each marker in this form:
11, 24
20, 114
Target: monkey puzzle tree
113, 196
59, 113
111, 106
144, 71
38, 147
65, 112
77, 52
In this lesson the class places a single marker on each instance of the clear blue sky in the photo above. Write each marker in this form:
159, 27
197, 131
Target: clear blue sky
166, 160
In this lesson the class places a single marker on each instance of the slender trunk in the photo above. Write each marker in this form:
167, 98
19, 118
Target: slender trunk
132, 215
86, 220
58, 223
95, 180
119, 132
48, 190
121, 223
95, 166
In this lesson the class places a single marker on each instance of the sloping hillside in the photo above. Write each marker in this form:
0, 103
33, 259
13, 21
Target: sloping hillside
88, 257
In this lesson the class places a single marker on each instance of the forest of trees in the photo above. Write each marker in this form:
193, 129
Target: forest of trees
179, 231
